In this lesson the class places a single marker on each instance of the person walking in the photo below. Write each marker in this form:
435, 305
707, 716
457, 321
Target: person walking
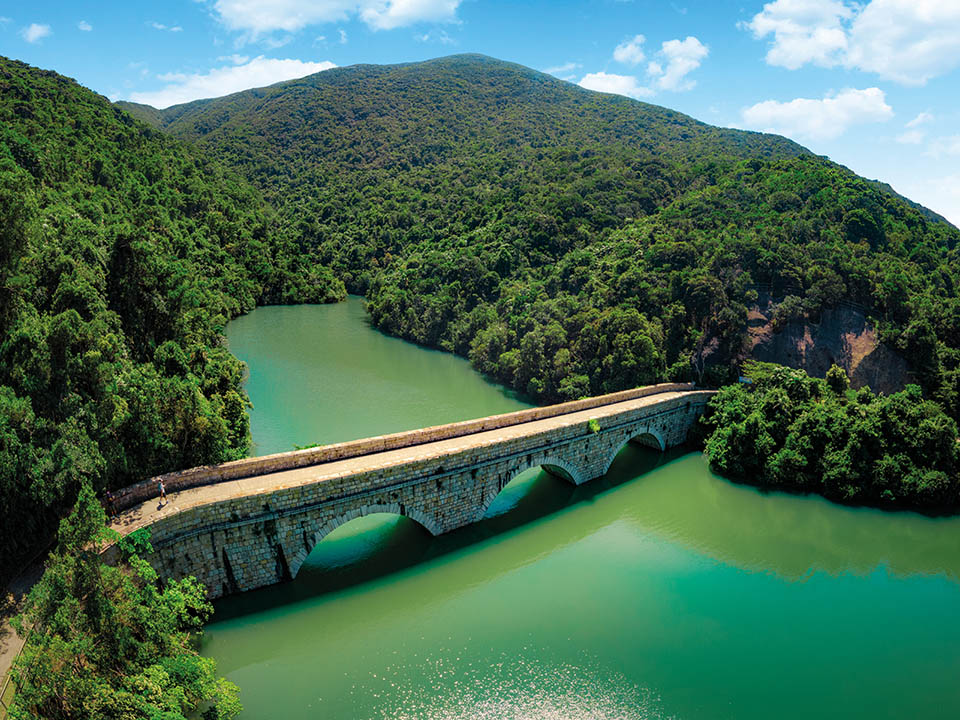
111, 506
163, 493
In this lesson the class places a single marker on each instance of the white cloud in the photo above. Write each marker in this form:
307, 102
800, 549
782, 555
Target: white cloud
35, 32
257, 17
161, 26
914, 135
920, 119
563, 69
911, 137
675, 60
803, 31
824, 119
617, 84
908, 41
258, 72
84, 26
390, 14
435, 36
5, 20
631, 51
681, 57
343, 36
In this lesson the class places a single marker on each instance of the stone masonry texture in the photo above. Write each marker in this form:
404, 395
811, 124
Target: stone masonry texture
237, 531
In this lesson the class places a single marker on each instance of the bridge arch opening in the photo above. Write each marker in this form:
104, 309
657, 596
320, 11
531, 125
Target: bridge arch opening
374, 536
530, 488
647, 437
637, 455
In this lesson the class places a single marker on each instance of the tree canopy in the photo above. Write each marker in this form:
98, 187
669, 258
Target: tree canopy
123, 253
789, 431
570, 242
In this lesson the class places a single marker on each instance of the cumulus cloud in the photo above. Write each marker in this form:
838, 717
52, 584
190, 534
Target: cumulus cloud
258, 17
34, 32
803, 31
161, 26
399, 13
908, 41
617, 84
258, 72
678, 59
84, 26
674, 61
824, 119
631, 51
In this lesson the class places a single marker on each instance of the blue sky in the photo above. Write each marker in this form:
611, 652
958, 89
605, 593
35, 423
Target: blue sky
874, 84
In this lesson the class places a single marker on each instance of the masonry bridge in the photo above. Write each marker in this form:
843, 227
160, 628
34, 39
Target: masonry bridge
251, 523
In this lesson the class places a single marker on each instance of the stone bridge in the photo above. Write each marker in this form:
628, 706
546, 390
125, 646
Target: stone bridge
252, 522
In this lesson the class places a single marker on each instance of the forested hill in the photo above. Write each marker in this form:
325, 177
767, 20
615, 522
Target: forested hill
123, 253
572, 242
409, 115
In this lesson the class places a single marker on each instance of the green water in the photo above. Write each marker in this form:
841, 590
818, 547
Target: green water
657, 591
322, 374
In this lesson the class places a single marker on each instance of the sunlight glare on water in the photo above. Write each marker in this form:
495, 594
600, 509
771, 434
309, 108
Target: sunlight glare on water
517, 690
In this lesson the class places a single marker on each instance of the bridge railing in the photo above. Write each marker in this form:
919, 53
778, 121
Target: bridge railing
250, 467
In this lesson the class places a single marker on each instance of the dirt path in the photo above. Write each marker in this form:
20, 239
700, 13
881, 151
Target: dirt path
10, 642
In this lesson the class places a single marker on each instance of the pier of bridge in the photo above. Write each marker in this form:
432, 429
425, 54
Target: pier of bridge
252, 523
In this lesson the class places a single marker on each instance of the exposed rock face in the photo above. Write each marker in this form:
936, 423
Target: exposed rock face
843, 336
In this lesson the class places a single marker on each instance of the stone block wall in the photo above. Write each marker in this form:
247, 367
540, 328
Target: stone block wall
250, 467
248, 542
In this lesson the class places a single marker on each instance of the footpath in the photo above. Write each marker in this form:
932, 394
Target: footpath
10, 642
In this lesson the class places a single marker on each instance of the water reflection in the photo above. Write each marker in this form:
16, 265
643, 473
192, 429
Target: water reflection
658, 590
792, 537
639, 585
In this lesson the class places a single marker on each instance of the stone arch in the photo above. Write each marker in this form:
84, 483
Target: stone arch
648, 436
328, 527
552, 464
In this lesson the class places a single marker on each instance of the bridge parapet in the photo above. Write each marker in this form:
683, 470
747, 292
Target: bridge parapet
251, 467
256, 531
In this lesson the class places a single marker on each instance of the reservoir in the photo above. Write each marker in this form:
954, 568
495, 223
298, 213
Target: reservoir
658, 591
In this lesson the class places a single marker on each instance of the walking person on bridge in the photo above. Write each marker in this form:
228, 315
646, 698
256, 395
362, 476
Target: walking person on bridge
163, 493
111, 505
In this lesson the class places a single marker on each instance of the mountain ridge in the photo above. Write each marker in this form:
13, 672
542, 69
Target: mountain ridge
498, 212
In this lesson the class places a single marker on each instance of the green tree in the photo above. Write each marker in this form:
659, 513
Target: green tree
106, 642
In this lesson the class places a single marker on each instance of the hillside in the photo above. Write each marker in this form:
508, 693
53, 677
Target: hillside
571, 242
123, 253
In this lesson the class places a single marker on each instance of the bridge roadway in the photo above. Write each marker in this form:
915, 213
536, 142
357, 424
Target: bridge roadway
245, 532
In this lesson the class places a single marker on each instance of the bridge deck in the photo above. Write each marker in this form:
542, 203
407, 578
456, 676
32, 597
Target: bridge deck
148, 512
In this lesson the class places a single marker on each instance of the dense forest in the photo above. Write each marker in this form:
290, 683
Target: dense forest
570, 242
106, 642
123, 253
789, 431
567, 242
